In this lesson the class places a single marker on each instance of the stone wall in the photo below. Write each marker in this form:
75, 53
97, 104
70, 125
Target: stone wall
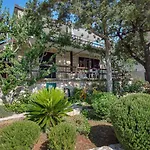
62, 84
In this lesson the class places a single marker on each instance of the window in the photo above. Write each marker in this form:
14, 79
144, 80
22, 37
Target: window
88, 63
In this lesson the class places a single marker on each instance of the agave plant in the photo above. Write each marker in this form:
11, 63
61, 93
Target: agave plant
48, 107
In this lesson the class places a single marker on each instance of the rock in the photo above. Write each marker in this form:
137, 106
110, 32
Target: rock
76, 110
102, 148
110, 147
116, 147
15, 116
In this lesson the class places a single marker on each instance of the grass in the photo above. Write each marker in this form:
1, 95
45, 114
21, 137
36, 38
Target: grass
4, 112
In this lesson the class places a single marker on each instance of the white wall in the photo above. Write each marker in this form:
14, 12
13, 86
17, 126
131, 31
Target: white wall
138, 72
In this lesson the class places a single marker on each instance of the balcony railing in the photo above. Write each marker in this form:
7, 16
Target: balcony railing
82, 73
86, 42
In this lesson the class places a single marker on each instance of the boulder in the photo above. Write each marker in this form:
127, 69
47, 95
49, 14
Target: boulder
76, 110
110, 147
102, 148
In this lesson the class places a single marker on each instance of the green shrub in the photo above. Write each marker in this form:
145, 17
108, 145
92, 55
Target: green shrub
19, 105
131, 120
85, 113
99, 86
20, 135
48, 107
101, 103
89, 114
81, 124
78, 95
134, 87
4, 112
147, 88
62, 137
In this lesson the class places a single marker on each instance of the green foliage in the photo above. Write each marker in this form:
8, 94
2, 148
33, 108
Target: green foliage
130, 118
10, 76
4, 21
89, 114
80, 123
88, 98
135, 87
147, 88
19, 105
99, 86
78, 95
128, 86
4, 112
48, 107
62, 137
102, 103
130, 16
20, 135
75, 95
64, 39
94, 89
28, 42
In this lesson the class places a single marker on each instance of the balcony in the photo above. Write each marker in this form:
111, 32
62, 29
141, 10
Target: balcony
81, 73
77, 42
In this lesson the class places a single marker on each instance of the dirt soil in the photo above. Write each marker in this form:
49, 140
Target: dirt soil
102, 134
8, 122
41, 143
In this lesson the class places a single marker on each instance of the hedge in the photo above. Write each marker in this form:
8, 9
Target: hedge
131, 120
20, 135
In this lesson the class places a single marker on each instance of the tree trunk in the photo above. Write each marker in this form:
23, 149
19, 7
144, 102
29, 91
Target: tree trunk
147, 64
147, 74
108, 66
146, 49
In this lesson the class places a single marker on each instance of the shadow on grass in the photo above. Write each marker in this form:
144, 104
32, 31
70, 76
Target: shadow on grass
102, 135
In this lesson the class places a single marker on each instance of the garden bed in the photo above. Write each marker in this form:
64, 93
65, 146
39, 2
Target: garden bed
102, 134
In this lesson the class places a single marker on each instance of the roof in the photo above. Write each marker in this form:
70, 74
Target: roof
81, 34
18, 7
84, 34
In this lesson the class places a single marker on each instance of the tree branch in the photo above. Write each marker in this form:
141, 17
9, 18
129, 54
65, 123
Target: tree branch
16, 49
98, 34
132, 54
30, 44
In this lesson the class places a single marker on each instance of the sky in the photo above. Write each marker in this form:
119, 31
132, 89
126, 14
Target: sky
11, 3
